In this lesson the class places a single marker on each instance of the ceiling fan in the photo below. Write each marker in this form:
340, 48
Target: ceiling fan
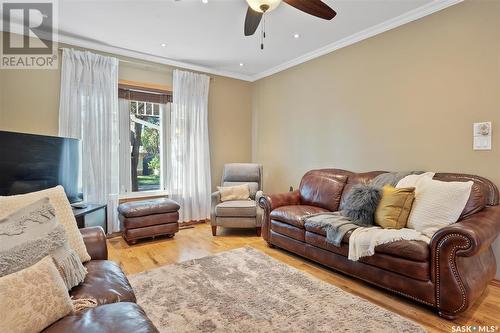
258, 8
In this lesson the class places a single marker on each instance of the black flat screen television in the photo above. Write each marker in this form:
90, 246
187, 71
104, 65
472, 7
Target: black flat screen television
31, 162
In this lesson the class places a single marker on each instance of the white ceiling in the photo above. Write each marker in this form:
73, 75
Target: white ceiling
209, 37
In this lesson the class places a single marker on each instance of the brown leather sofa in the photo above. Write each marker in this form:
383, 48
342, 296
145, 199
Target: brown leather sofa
106, 282
449, 274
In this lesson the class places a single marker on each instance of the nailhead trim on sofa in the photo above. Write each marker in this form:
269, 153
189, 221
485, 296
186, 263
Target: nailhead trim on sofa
451, 260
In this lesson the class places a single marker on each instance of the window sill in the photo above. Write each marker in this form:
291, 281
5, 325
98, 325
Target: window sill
145, 194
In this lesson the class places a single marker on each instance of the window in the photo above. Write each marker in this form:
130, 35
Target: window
144, 111
145, 146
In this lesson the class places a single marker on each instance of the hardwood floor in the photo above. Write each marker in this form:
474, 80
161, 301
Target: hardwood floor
197, 241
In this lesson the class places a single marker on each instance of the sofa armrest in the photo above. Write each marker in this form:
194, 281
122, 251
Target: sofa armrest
95, 241
479, 231
260, 212
215, 200
463, 262
274, 201
270, 202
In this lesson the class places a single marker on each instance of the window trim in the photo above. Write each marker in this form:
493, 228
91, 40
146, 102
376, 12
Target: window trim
165, 105
160, 130
144, 92
145, 194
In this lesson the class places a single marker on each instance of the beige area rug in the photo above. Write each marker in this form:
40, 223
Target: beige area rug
244, 290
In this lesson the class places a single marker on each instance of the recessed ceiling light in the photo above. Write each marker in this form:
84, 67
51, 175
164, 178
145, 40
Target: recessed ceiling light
242, 64
204, 1
163, 45
296, 36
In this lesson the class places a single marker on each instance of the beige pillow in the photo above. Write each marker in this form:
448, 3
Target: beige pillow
64, 214
33, 298
239, 192
437, 204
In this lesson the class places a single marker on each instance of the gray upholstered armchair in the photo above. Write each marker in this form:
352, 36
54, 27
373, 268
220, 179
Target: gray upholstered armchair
239, 213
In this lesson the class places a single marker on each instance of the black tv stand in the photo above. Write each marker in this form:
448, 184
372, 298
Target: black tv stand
89, 216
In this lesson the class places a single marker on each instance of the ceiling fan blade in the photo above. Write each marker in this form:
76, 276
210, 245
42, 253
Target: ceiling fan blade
252, 21
313, 7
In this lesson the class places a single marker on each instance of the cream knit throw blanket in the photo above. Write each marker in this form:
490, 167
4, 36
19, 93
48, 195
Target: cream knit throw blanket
363, 241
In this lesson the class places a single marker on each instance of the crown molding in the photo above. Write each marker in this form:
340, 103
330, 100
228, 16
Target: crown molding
392, 23
102, 47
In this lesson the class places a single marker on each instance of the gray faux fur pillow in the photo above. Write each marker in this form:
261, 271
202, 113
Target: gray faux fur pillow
361, 203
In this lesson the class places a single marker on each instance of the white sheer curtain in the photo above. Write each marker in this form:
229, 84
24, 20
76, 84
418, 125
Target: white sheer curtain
189, 163
88, 110
125, 152
165, 110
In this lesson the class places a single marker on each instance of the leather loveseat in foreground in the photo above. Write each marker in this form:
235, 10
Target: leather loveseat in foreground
106, 282
449, 274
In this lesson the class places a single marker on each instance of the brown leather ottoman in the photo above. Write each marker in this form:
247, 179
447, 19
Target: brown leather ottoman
148, 218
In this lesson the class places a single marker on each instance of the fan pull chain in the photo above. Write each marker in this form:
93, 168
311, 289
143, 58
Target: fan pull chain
263, 33
264, 25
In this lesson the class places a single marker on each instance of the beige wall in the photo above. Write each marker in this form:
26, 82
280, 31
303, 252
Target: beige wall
230, 124
29, 102
403, 100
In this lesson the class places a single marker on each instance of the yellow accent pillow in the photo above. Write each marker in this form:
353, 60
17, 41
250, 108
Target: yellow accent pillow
394, 207
238, 192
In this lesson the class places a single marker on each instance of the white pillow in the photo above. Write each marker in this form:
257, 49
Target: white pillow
413, 180
437, 203
64, 214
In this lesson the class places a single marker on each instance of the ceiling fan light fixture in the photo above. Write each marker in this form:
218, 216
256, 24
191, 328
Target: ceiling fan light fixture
262, 6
